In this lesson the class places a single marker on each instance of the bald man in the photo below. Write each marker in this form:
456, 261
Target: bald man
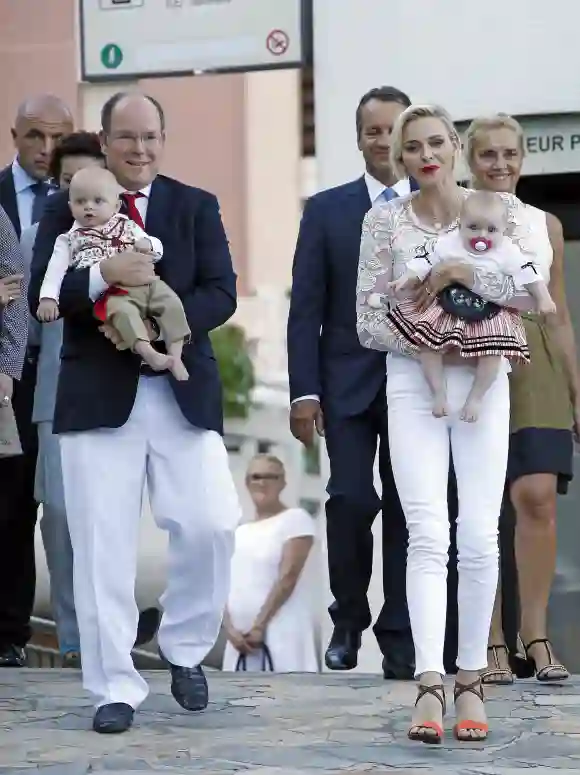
24, 187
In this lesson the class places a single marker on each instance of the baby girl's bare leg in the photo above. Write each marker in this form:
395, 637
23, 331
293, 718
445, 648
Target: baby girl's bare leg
485, 375
158, 361
432, 365
175, 350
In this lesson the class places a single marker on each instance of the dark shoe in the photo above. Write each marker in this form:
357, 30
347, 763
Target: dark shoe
398, 656
113, 719
149, 620
12, 656
189, 687
72, 659
342, 651
397, 672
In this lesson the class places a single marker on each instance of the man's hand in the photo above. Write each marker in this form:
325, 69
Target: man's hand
10, 289
6, 388
129, 268
444, 274
305, 416
144, 245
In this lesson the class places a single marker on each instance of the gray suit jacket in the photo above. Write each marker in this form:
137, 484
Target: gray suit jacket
49, 337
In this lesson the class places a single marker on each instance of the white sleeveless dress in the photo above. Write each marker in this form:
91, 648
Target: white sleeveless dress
290, 636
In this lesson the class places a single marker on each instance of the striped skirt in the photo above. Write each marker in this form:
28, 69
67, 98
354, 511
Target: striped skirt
436, 330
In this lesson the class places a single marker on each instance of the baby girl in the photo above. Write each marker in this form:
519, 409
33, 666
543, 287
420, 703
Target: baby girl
458, 320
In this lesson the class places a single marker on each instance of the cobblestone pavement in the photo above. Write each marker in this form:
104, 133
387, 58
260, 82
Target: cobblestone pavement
279, 725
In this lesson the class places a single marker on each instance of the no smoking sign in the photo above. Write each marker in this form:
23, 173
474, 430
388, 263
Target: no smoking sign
277, 42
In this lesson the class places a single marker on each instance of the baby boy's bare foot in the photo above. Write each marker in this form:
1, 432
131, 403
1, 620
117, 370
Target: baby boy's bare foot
158, 361
470, 412
178, 370
440, 408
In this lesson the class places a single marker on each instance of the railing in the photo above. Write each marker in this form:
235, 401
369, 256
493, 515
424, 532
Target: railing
42, 651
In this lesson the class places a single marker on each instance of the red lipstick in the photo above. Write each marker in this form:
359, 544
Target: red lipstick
430, 168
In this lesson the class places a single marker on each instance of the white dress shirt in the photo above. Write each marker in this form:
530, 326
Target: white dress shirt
97, 286
375, 189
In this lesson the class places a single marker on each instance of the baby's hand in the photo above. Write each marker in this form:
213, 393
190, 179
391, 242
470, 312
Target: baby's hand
404, 283
547, 307
47, 311
144, 245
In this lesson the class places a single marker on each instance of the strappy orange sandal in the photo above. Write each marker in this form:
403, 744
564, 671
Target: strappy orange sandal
467, 725
419, 732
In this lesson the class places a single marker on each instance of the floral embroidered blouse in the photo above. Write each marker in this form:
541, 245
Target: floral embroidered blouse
392, 235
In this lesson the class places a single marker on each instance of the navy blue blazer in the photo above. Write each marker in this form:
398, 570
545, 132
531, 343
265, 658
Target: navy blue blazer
97, 383
325, 356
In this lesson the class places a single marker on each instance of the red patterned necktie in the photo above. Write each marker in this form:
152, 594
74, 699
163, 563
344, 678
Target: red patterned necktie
131, 211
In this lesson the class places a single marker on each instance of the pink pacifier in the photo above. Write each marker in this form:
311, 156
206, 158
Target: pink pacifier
480, 244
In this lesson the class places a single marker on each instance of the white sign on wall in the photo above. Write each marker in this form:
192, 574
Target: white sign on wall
139, 38
552, 145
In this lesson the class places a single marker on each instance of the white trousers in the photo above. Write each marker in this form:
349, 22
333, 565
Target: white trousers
192, 496
420, 446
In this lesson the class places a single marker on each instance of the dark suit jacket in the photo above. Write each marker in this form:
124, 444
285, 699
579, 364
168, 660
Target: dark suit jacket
325, 356
8, 197
97, 384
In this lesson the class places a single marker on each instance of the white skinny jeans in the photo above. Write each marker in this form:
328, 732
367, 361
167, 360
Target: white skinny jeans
419, 446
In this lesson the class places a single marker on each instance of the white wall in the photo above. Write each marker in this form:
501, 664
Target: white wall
521, 57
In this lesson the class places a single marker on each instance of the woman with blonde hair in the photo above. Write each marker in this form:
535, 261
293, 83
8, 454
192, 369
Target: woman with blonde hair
269, 620
545, 407
425, 145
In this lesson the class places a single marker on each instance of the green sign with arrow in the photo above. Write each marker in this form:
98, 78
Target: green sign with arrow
111, 56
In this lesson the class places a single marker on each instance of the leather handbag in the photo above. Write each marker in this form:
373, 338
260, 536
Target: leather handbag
267, 661
459, 301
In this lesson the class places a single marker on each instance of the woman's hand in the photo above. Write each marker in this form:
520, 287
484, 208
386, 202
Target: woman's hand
255, 637
238, 641
444, 274
10, 289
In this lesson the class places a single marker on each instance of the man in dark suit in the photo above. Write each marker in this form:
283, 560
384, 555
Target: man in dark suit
123, 426
338, 388
24, 187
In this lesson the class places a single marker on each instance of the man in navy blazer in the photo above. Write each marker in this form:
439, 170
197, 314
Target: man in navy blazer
123, 426
338, 388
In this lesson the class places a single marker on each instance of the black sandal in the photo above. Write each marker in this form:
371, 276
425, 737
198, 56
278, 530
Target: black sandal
497, 675
550, 673
423, 733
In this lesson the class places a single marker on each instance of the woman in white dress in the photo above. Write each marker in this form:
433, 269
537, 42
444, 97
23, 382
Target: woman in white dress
270, 600
545, 407
425, 145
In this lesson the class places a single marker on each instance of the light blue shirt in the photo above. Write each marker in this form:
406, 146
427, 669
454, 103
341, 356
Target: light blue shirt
24, 194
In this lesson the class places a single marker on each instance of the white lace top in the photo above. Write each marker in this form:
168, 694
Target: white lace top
392, 235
